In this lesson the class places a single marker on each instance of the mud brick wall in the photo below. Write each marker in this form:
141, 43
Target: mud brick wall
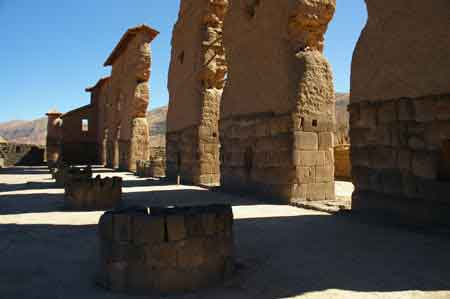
196, 80
54, 135
126, 134
159, 250
277, 108
78, 146
14, 154
93, 194
343, 165
400, 156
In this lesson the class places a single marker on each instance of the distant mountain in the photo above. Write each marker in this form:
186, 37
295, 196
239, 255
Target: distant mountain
34, 132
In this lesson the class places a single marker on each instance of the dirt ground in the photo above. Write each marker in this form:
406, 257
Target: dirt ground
281, 251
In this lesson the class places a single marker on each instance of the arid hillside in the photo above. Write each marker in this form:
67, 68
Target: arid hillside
34, 131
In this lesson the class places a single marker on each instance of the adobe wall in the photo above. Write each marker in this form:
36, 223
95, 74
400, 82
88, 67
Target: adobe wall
277, 111
14, 154
78, 146
400, 111
129, 98
100, 100
196, 80
54, 136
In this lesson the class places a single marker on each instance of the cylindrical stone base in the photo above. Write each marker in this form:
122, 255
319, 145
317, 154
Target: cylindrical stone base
165, 250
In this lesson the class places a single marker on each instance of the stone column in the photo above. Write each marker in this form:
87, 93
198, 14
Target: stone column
54, 135
196, 81
277, 113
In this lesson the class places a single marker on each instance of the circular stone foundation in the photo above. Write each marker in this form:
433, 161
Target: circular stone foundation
165, 250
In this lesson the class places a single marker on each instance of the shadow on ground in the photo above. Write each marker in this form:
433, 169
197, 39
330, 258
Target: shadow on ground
279, 257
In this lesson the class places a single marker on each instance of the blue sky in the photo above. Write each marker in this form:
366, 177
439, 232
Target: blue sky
51, 50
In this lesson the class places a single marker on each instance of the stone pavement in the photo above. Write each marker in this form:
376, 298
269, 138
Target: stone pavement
282, 251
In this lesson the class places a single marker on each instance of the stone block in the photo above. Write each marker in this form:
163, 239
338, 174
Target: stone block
360, 157
122, 227
194, 225
404, 160
367, 117
306, 141
405, 110
309, 158
176, 228
306, 175
442, 108
163, 255
324, 174
387, 113
209, 223
148, 229
383, 158
416, 143
326, 140
190, 253
424, 110
383, 136
424, 165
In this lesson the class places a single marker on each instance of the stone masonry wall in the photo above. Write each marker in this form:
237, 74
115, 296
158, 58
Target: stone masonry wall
277, 110
400, 157
196, 80
159, 250
400, 112
93, 194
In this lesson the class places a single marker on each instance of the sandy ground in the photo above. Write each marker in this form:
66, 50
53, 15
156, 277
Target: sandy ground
282, 251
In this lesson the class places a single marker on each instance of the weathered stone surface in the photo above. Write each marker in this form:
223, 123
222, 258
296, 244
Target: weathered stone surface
138, 254
404, 54
278, 104
93, 194
196, 80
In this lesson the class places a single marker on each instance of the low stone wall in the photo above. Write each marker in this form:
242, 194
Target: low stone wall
342, 164
93, 194
193, 154
165, 250
400, 158
66, 174
265, 154
151, 169
14, 154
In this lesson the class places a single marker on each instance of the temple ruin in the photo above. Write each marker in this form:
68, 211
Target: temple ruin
113, 128
196, 81
277, 111
400, 111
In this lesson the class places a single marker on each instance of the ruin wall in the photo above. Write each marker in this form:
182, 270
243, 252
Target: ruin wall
400, 111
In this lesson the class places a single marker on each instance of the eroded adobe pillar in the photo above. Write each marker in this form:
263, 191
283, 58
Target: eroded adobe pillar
277, 112
129, 98
54, 135
196, 80
400, 111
